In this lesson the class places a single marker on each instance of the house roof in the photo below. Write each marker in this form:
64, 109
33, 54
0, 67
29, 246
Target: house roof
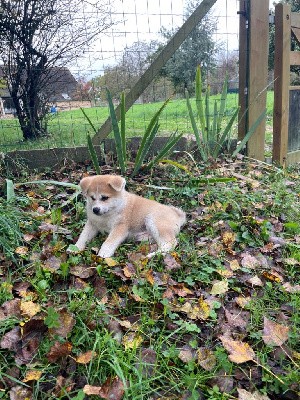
60, 84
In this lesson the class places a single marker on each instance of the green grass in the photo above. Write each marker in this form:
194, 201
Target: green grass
136, 316
69, 128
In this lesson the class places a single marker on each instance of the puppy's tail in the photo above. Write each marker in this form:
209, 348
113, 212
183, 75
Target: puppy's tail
181, 214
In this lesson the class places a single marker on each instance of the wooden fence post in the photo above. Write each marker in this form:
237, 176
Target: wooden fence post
253, 95
282, 82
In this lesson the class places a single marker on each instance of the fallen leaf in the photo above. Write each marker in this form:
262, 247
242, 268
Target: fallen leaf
52, 264
32, 375
255, 281
82, 271
29, 308
206, 359
186, 355
132, 340
110, 262
219, 287
10, 339
228, 239
272, 276
111, 389
242, 301
239, 352
171, 262
20, 393
59, 350
291, 288
22, 250
274, 334
85, 358
245, 395
66, 322
249, 261
92, 390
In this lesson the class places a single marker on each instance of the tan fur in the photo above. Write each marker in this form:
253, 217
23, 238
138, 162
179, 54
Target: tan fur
122, 214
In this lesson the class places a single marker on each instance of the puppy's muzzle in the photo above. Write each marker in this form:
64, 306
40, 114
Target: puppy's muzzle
97, 211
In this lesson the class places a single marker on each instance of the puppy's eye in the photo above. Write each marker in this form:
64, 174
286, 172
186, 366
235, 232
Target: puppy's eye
104, 198
93, 198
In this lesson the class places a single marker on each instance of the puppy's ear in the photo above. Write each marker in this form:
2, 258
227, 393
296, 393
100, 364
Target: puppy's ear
117, 182
84, 184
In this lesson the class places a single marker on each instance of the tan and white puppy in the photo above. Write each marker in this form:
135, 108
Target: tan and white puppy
110, 208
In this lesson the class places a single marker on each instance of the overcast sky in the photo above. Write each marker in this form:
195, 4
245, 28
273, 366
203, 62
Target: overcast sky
141, 20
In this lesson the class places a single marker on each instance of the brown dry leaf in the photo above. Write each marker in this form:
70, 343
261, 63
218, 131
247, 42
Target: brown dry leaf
10, 339
150, 277
28, 237
12, 308
29, 308
249, 261
274, 334
242, 301
82, 271
186, 355
239, 352
20, 393
234, 265
245, 395
132, 340
22, 250
206, 359
272, 276
52, 264
85, 358
255, 281
59, 350
92, 390
228, 238
219, 287
291, 288
225, 273
129, 270
66, 322
113, 388
33, 375
110, 262
171, 262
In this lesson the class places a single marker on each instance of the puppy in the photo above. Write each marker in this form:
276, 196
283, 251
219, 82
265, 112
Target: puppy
111, 209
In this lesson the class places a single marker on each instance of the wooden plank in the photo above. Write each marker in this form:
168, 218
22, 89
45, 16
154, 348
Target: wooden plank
281, 82
243, 69
258, 74
295, 58
153, 70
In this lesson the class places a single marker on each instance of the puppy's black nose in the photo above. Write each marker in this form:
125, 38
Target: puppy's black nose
96, 210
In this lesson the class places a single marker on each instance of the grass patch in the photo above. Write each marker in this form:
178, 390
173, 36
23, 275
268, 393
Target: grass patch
130, 328
70, 128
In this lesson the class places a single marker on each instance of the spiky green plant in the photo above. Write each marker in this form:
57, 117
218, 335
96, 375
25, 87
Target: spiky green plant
214, 131
147, 139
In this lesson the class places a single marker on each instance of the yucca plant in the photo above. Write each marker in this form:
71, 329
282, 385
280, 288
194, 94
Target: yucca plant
214, 131
147, 139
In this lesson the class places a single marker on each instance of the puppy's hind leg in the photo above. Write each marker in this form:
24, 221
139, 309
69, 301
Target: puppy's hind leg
164, 236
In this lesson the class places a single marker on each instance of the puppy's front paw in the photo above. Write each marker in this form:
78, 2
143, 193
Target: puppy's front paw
106, 251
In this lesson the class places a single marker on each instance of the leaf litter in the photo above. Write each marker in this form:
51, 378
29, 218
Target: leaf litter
222, 308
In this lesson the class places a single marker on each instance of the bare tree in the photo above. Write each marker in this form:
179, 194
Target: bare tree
38, 38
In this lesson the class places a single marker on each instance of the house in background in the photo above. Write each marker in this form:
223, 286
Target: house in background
60, 86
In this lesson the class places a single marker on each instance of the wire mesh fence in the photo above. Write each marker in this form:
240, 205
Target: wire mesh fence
118, 57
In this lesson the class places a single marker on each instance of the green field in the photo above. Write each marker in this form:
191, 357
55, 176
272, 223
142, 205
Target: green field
69, 128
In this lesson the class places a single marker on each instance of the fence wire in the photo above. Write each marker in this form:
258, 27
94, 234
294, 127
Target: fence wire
116, 59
